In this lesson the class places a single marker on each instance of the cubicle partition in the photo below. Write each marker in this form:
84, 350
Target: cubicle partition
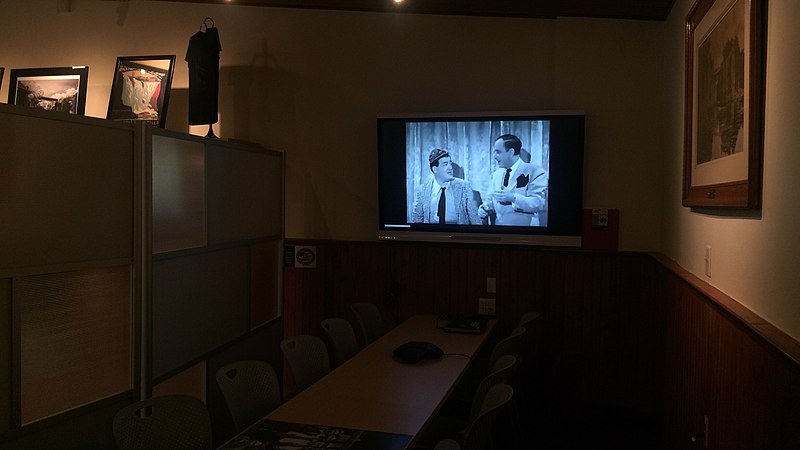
67, 237
217, 225
129, 256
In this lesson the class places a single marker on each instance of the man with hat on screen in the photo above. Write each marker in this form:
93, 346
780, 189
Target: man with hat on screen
444, 199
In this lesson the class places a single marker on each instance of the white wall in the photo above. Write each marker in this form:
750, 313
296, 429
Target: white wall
755, 259
310, 83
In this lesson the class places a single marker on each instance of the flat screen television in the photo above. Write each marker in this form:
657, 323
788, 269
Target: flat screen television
508, 178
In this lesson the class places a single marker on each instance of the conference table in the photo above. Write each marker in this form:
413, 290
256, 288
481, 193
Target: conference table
374, 398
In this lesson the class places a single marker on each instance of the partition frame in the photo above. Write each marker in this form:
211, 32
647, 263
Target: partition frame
61, 264
140, 261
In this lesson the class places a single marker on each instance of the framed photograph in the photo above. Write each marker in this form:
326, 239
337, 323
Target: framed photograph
140, 90
53, 89
724, 110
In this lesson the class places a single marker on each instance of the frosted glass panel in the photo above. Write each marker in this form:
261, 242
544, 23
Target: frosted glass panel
5, 349
75, 338
178, 194
191, 381
265, 299
200, 302
244, 194
66, 192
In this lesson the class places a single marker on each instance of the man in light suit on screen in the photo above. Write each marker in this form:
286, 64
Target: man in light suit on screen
444, 199
518, 190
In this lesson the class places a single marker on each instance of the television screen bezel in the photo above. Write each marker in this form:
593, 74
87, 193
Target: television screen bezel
485, 234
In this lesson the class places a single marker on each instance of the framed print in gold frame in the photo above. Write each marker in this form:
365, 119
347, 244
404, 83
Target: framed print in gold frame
724, 105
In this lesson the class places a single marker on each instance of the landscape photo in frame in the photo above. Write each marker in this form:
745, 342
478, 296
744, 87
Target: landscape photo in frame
61, 89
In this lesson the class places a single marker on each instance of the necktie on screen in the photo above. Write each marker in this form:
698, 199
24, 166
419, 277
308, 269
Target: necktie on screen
442, 211
505, 178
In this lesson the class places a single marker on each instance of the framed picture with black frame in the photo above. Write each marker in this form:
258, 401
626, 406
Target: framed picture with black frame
140, 89
53, 89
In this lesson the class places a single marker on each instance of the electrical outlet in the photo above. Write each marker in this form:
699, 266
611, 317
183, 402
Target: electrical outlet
486, 306
702, 436
491, 285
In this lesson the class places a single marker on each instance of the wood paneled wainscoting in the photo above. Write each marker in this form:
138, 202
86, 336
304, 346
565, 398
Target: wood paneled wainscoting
626, 341
725, 363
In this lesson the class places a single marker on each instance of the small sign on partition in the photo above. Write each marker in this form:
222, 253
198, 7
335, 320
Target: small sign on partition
300, 256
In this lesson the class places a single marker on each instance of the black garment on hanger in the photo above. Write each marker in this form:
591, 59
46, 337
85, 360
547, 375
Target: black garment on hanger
203, 59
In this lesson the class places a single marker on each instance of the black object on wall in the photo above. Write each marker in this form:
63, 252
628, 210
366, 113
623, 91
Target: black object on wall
203, 59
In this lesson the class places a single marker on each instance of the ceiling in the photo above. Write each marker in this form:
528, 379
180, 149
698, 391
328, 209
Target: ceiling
610, 9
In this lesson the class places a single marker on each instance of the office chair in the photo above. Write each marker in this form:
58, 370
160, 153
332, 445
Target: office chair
527, 318
342, 338
308, 359
477, 432
457, 423
251, 390
503, 368
529, 344
464, 391
512, 345
447, 444
369, 320
172, 422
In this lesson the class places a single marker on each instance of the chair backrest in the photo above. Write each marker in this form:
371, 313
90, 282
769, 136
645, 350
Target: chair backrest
369, 320
478, 430
308, 358
447, 444
528, 317
251, 390
342, 338
172, 422
512, 345
499, 373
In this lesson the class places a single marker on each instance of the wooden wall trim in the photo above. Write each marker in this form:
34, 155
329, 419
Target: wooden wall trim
758, 326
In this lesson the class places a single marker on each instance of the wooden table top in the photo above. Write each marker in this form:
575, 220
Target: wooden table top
374, 391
